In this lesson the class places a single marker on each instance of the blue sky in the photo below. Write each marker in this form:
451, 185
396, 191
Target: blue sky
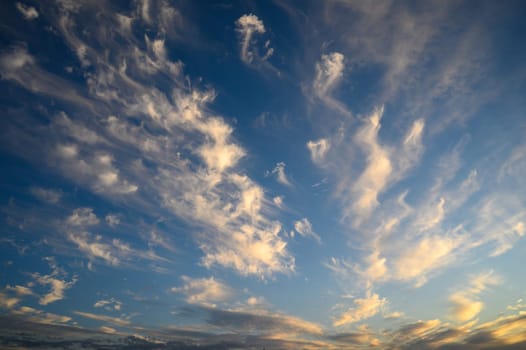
257, 174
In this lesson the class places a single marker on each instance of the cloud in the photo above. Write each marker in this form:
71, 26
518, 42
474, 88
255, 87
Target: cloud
178, 153
114, 252
103, 318
28, 12
50, 196
112, 220
465, 304
247, 26
41, 316
304, 228
329, 71
378, 169
318, 150
94, 248
261, 322
56, 283
20, 290
110, 305
96, 170
7, 302
424, 256
363, 309
82, 217
279, 171
204, 291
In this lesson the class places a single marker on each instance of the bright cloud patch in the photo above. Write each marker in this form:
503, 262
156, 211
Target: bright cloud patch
363, 309
205, 291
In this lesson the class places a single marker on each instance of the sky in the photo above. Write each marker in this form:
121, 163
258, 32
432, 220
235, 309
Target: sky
262, 174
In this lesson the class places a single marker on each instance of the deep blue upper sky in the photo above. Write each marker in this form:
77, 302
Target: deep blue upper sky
263, 174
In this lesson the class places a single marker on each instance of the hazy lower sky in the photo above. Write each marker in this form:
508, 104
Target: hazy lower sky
263, 174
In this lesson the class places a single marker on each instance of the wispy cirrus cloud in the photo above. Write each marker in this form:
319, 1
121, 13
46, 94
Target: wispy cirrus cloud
200, 181
304, 228
279, 172
56, 282
465, 304
248, 26
363, 308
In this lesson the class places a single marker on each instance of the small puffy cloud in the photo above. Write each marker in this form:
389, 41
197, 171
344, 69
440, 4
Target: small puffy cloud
204, 291
112, 220
318, 150
110, 304
50, 196
304, 228
278, 200
82, 217
13, 60
247, 26
465, 304
364, 308
279, 172
28, 12
7, 302
394, 315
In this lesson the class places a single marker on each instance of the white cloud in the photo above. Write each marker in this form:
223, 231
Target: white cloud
20, 290
41, 316
94, 248
113, 219
82, 217
279, 171
425, 255
377, 171
318, 150
15, 60
46, 195
304, 228
278, 200
29, 12
123, 322
329, 72
107, 330
7, 302
110, 251
204, 291
247, 26
56, 284
465, 304
97, 170
110, 305
158, 146
363, 309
